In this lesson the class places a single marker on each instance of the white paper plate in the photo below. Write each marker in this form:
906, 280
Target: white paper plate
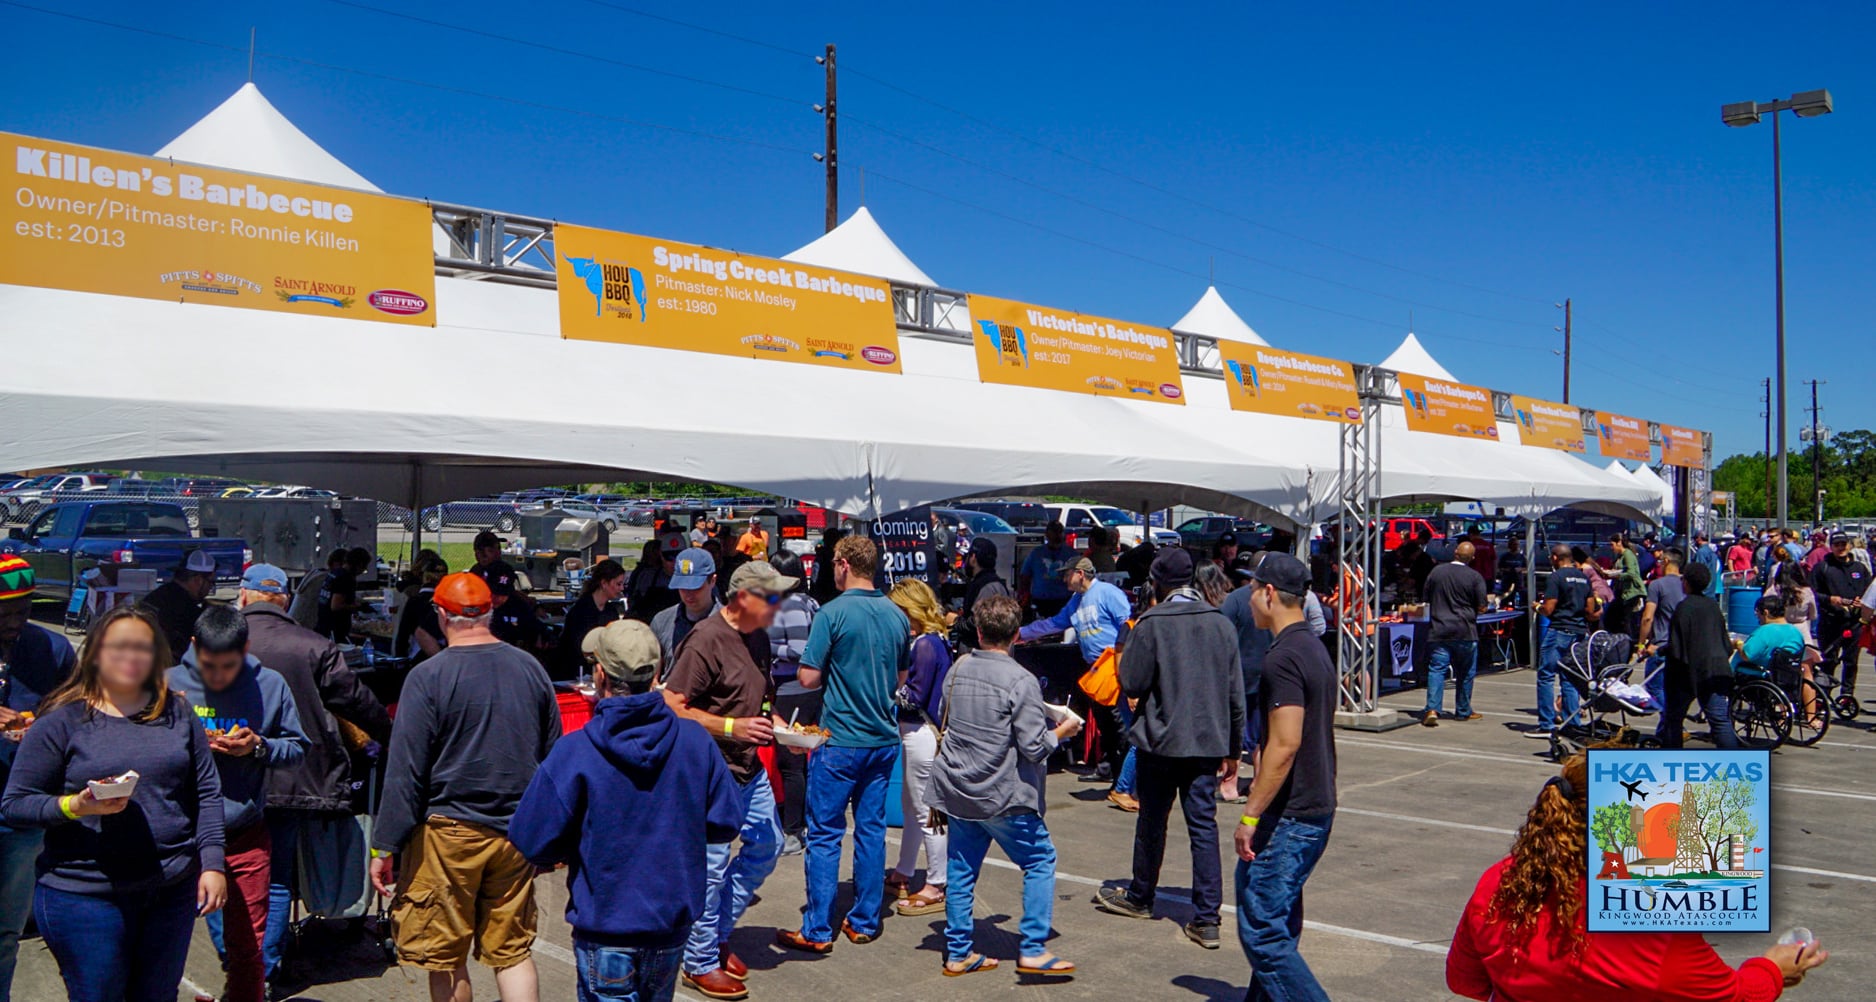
1058, 713
789, 739
121, 786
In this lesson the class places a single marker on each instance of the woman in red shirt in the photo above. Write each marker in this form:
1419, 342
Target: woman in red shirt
1522, 937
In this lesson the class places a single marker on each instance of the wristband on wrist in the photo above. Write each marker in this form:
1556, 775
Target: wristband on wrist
65, 806
729, 727
379, 854
1248, 820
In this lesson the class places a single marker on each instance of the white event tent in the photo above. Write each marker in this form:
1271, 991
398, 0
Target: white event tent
492, 398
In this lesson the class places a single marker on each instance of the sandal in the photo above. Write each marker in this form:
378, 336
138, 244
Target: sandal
972, 964
900, 887
919, 904
1052, 965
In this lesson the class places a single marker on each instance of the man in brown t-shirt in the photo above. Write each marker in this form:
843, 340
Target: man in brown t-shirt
719, 678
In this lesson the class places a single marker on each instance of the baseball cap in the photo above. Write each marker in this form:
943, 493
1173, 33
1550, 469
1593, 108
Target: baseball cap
626, 649
487, 538
672, 543
1244, 563
1284, 573
1084, 565
264, 578
760, 575
698, 537
16, 577
1839, 537
464, 594
199, 562
1172, 567
694, 567
1818, 536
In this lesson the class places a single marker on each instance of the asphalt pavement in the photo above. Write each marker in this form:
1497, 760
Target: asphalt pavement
1423, 812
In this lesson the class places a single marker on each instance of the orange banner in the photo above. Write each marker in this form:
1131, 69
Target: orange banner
1445, 408
1027, 345
93, 220
629, 289
1683, 447
1548, 425
1269, 381
1623, 437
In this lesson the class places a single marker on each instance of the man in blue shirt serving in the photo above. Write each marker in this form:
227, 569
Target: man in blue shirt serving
856, 650
1097, 610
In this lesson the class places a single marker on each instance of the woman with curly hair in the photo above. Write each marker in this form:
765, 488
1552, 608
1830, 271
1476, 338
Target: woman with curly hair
1522, 937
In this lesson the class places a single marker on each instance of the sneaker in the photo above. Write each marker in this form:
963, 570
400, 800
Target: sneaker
1114, 901
1538, 734
792, 845
1431, 718
1204, 935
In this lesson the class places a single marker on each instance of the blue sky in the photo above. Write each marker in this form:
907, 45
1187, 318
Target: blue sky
1340, 166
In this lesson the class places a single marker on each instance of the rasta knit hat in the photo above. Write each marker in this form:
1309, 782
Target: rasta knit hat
16, 577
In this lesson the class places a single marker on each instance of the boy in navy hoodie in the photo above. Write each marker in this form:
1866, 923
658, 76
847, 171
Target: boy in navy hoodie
252, 727
629, 804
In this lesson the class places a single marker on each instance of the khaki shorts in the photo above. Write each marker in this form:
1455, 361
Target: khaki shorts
463, 885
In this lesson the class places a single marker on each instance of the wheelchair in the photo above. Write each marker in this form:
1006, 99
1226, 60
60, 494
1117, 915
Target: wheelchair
1775, 704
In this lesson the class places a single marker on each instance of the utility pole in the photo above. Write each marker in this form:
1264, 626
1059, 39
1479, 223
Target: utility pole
830, 157
1566, 351
1817, 456
1766, 400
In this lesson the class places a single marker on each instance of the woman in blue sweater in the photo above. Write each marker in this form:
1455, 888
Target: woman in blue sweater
121, 880
921, 705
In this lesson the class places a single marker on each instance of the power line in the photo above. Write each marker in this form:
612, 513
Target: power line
1065, 154
557, 50
444, 88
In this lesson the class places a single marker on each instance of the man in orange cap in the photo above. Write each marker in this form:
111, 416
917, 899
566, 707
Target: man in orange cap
33, 662
448, 800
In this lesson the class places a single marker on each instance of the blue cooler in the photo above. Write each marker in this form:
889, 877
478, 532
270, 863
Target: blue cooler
1741, 617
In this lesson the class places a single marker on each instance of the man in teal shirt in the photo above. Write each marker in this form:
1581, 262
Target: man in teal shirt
856, 649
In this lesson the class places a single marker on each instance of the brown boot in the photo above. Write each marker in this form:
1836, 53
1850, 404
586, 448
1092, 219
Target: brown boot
716, 985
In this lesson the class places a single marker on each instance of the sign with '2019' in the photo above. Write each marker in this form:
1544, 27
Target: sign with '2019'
629, 289
92, 220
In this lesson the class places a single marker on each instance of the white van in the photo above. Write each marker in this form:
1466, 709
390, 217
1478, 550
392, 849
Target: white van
1079, 518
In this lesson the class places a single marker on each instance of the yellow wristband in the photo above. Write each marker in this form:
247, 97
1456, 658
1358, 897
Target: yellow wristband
65, 806
729, 727
1247, 819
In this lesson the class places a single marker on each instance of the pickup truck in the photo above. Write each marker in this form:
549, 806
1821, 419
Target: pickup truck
67, 539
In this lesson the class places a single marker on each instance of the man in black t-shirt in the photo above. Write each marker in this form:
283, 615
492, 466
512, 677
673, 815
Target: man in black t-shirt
1570, 605
1291, 805
338, 598
1455, 596
1839, 581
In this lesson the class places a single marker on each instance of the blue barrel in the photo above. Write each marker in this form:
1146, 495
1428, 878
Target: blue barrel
1740, 615
895, 812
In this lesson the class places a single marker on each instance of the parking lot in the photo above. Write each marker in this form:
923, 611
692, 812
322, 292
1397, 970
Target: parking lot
1423, 812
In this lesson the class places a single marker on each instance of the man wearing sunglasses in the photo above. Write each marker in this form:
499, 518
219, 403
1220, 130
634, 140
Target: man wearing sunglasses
720, 678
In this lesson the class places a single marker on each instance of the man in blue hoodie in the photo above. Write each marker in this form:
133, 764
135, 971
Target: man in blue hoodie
252, 726
630, 804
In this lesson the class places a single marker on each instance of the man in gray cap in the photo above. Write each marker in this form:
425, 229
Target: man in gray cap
177, 602
694, 578
720, 678
1181, 663
635, 809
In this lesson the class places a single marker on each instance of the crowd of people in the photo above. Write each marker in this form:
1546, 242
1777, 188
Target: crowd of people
165, 777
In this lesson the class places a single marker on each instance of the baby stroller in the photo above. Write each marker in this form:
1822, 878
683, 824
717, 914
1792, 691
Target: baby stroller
333, 902
1599, 668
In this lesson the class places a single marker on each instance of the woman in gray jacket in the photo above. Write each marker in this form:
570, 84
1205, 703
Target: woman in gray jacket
988, 781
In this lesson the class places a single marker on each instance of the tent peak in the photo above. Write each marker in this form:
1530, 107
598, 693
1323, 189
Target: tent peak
247, 133
1212, 317
1412, 357
859, 245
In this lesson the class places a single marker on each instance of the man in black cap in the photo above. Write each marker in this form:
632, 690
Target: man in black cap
1181, 663
1839, 581
1291, 805
984, 581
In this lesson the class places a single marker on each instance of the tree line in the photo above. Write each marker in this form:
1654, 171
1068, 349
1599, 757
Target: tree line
1848, 466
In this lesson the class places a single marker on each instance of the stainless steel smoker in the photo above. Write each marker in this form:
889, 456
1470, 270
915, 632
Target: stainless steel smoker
550, 536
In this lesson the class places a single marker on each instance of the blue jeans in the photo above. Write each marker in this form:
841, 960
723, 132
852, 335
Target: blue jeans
1463, 657
1124, 781
1270, 910
1556, 645
837, 778
731, 885
1194, 783
1655, 679
626, 973
1025, 839
119, 947
18, 851
283, 826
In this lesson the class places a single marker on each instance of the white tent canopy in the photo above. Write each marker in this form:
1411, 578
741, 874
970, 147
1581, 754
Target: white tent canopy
1211, 316
247, 133
860, 246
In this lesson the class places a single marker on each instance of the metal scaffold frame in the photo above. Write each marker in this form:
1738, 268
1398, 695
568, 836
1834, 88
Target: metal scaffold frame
1358, 554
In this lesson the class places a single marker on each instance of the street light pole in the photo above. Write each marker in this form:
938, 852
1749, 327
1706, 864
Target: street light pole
1806, 104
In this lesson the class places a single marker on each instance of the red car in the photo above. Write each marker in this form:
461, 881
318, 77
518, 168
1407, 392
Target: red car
1395, 531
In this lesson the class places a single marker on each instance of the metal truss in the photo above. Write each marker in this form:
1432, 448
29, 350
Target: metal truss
1358, 554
